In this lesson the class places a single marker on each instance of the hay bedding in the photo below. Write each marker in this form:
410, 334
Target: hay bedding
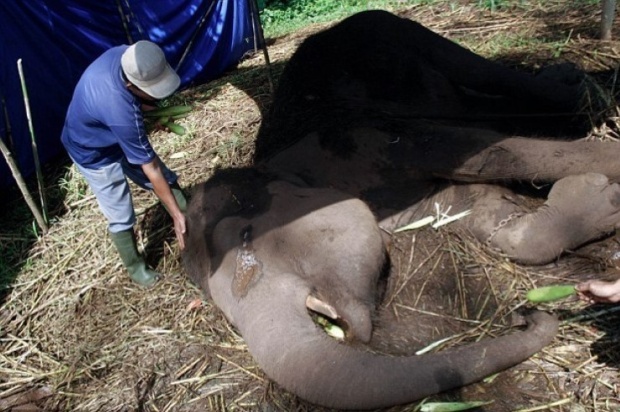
77, 329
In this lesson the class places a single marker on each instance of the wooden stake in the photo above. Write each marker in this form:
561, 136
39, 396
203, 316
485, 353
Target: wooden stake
22, 186
35, 151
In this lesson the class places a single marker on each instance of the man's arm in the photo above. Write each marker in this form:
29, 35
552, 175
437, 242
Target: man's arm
153, 172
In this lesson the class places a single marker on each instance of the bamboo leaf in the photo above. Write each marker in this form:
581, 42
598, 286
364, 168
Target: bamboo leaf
432, 346
452, 406
417, 224
450, 219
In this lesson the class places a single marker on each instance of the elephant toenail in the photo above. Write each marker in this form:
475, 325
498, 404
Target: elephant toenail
615, 197
596, 179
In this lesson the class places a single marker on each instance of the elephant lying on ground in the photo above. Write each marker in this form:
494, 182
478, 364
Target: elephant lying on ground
375, 121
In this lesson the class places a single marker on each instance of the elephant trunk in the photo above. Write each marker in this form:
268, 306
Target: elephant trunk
300, 357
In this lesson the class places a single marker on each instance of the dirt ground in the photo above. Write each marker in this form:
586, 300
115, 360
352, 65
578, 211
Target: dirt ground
75, 332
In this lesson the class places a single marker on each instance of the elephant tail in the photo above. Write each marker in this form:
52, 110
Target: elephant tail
300, 357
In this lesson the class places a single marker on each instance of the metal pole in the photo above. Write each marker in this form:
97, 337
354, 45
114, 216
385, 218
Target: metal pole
258, 33
119, 6
607, 18
193, 38
9, 132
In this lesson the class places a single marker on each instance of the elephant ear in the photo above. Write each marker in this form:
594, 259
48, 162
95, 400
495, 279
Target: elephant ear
352, 314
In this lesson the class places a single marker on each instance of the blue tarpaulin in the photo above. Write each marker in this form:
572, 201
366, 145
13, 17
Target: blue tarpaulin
57, 40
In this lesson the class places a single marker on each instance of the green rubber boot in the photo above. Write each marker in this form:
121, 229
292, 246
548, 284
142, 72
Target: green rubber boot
125, 243
179, 196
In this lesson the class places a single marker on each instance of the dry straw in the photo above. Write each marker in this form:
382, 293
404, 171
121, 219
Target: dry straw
73, 322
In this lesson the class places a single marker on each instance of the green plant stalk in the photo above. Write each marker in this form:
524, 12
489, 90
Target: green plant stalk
35, 151
550, 293
175, 128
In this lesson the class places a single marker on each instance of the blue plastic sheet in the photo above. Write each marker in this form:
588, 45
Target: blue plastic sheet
57, 39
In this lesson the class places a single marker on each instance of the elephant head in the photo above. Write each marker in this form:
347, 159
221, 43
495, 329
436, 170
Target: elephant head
269, 252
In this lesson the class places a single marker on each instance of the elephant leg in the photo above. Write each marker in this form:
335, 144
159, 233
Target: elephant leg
579, 209
478, 156
463, 67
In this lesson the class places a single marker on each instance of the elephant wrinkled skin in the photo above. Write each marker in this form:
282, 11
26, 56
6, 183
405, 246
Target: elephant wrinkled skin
376, 120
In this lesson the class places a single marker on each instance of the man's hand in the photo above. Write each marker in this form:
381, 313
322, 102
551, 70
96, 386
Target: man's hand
162, 190
179, 230
598, 291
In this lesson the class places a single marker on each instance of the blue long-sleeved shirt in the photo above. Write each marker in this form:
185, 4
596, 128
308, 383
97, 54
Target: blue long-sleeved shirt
104, 121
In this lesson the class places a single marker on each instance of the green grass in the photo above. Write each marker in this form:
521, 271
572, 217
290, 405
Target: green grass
491, 4
279, 17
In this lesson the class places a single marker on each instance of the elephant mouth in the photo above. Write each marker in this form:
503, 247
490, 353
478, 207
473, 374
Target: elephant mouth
349, 326
326, 319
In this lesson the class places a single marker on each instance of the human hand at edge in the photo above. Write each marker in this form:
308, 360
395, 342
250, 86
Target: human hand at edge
179, 230
162, 189
599, 291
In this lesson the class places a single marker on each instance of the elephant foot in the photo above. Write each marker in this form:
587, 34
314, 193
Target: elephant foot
579, 209
564, 73
591, 97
